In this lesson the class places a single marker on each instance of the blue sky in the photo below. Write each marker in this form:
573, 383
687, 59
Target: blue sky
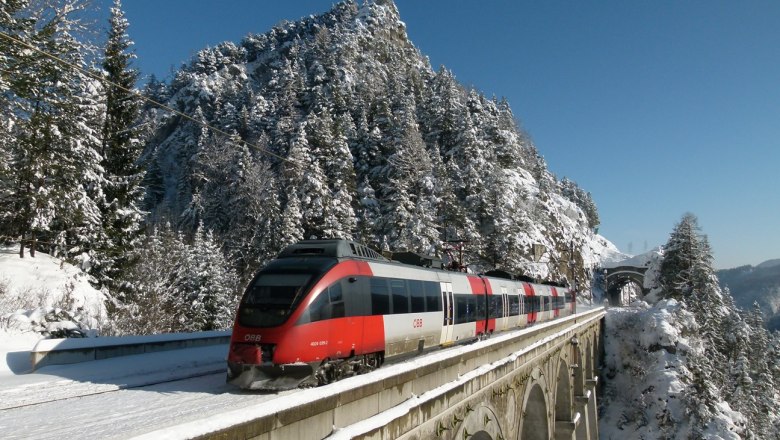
657, 108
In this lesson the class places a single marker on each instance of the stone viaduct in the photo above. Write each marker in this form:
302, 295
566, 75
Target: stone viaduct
539, 383
618, 277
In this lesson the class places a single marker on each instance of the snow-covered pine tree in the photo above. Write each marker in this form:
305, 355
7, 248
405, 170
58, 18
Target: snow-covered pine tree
54, 157
407, 197
581, 198
207, 290
687, 274
304, 176
305, 89
120, 207
726, 360
177, 287
764, 399
253, 237
13, 24
333, 157
9, 53
742, 398
149, 306
368, 213
683, 257
505, 240
702, 395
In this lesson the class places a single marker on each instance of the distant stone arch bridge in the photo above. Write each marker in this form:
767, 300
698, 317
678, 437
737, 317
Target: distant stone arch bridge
616, 278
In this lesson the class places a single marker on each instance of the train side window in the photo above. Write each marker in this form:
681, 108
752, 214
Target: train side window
514, 305
336, 301
329, 304
480, 307
432, 296
335, 294
417, 295
380, 297
462, 309
318, 307
400, 296
496, 306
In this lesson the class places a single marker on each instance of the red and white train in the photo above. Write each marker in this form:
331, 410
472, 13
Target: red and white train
326, 309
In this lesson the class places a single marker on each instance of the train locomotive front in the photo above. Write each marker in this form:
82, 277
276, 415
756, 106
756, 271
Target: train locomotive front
300, 323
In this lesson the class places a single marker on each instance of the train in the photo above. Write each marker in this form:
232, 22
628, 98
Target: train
323, 310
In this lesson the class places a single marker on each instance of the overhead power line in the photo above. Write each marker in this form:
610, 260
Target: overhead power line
140, 96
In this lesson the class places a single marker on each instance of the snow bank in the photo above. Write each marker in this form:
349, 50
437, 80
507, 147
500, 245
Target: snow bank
44, 281
35, 293
15, 349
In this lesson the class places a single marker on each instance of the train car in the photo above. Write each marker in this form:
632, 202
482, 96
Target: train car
327, 309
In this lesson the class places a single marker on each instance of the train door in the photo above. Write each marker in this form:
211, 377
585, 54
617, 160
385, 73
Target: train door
518, 309
504, 309
448, 306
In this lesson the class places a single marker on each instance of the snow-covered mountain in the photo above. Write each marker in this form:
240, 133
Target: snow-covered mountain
761, 284
337, 126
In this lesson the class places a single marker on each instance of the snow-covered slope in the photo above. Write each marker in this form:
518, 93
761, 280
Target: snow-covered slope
40, 296
760, 284
646, 377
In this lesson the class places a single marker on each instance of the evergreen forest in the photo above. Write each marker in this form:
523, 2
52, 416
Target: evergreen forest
334, 126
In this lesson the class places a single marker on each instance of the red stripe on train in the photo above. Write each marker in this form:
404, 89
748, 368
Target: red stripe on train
529, 291
481, 286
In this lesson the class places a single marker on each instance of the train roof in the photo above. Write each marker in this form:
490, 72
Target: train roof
330, 248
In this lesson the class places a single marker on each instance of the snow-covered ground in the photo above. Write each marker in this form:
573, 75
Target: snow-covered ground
31, 287
645, 376
44, 294
119, 397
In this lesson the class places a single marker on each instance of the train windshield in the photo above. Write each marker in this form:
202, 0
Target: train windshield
272, 297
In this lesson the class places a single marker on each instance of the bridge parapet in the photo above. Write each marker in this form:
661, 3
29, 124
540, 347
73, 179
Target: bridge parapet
501, 387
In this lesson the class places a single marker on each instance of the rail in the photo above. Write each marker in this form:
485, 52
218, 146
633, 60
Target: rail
75, 350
